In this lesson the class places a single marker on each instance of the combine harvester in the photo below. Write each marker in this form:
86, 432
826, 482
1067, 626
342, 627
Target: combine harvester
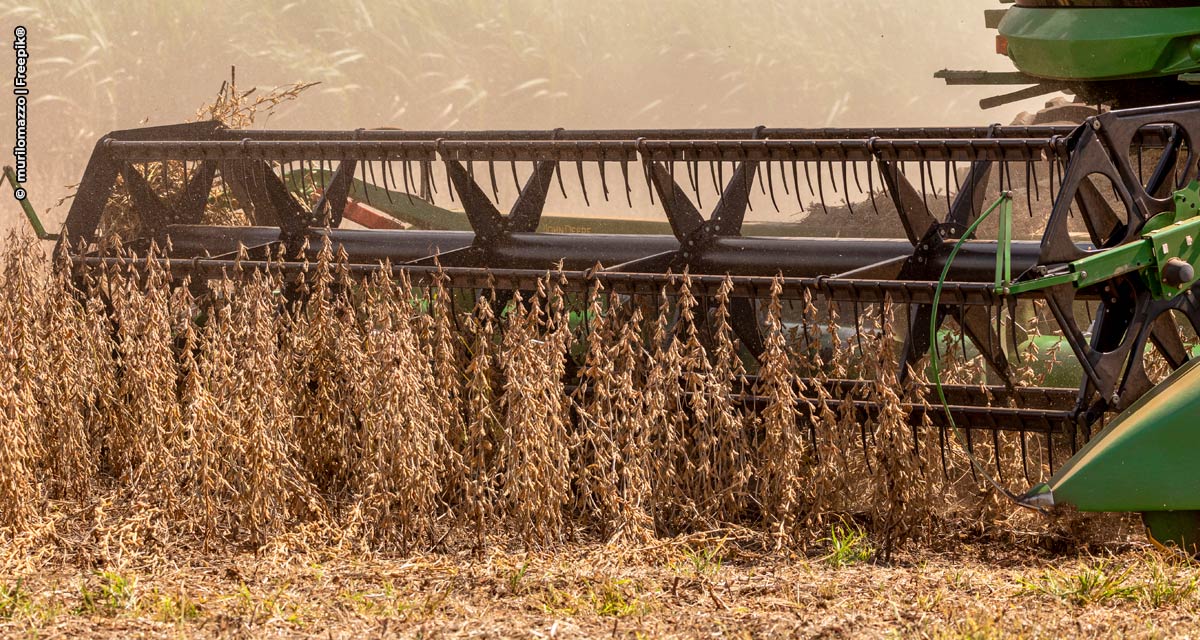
1112, 266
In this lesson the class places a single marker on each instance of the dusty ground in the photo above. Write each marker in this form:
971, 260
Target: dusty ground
705, 586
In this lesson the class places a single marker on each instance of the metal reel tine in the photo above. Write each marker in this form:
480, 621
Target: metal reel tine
857, 180
491, 164
1050, 449
783, 179
1028, 188
924, 196
1037, 189
1024, 457
386, 192
391, 170
625, 181
693, 169
871, 188
512, 164
946, 184
808, 179
366, 191
405, 170
996, 454
719, 185
832, 177
845, 189
771, 185
821, 187
796, 182
582, 182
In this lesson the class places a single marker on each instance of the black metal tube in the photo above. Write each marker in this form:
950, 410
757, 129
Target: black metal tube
743, 256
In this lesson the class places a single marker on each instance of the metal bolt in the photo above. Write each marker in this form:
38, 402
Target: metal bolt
1096, 125
1083, 275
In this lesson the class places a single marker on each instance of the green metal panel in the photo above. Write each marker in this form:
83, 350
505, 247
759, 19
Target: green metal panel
1105, 43
1145, 460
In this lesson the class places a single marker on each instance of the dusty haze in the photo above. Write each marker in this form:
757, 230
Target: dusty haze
468, 64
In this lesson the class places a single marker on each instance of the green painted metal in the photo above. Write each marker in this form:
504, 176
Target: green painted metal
1144, 460
1103, 43
1169, 235
1179, 529
30, 214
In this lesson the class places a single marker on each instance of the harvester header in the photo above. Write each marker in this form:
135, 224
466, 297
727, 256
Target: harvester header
1107, 262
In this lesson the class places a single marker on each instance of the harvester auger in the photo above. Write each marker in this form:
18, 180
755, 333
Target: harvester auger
1133, 271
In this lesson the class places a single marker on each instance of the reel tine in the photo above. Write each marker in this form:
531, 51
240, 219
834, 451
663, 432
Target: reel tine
924, 195
491, 164
858, 330
796, 182
761, 188
721, 182
771, 185
808, 179
845, 189
857, 180
783, 179
712, 174
366, 191
428, 184
833, 177
582, 182
1028, 188
391, 170
996, 454
625, 181
694, 177
946, 184
512, 164
871, 188
289, 177
1037, 188
821, 187
386, 192
1024, 457
405, 172
957, 183
558, 176
1050, 449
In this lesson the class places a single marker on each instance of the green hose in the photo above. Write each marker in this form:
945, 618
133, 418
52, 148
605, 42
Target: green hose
934, 365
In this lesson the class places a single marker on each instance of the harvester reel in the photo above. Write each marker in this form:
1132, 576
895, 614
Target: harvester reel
1129, 315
